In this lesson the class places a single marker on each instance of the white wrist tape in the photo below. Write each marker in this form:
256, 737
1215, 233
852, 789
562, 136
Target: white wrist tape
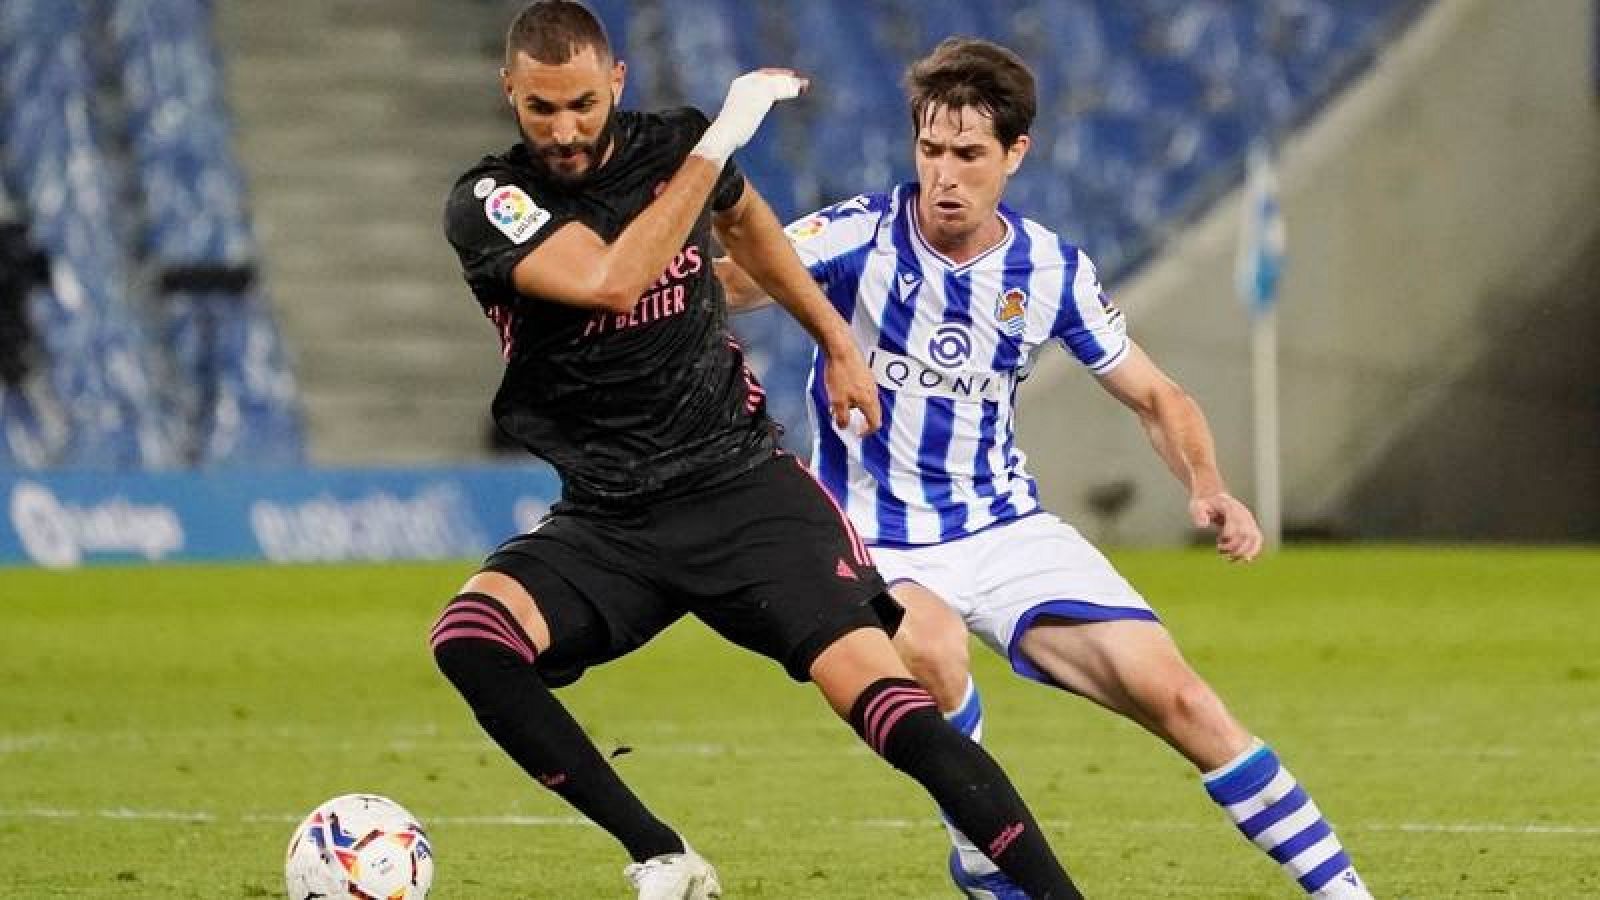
750, 97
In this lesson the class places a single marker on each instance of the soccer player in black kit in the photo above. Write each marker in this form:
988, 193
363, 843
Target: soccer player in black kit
587, 245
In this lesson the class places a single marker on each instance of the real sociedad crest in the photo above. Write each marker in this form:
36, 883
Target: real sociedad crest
1011, 309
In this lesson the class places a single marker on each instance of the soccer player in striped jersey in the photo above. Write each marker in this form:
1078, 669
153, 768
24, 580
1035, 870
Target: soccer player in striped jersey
951, 295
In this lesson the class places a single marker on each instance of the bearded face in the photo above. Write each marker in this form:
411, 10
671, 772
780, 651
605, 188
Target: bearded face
565, 111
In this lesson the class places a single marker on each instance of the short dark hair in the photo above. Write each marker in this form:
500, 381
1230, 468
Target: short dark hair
554, 31
971, 72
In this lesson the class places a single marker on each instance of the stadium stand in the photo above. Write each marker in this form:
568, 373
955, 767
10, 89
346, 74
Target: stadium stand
154, 349
1148, 101
58, 165
1147, 107
32, 426
232, 395
151, 344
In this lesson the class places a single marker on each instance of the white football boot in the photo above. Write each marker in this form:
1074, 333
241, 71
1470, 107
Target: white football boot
675, 876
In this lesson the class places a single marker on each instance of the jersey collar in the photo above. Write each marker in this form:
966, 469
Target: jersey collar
910, 195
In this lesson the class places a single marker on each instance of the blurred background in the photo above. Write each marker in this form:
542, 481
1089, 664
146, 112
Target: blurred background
230, 325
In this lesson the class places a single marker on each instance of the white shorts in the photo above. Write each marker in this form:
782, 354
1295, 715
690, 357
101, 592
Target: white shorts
1003, 578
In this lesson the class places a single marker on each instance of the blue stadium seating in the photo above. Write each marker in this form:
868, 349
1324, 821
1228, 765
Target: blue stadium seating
233, 399
58, 169
1146, 107
117, 154
159, 351
726, 43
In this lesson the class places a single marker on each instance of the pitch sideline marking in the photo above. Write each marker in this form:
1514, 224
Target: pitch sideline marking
524, 821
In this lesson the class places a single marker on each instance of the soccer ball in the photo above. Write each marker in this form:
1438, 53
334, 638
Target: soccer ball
362, 847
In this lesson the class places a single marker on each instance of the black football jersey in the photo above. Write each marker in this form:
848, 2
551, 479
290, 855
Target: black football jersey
625, 406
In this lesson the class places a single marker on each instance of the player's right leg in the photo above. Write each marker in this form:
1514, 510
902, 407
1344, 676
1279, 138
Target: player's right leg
933, 642
499, 646
486, 642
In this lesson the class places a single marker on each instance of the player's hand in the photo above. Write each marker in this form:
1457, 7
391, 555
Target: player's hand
749, 98
851, 387
1238, 535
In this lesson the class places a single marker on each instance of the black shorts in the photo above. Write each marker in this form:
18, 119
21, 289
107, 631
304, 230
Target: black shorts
766, 559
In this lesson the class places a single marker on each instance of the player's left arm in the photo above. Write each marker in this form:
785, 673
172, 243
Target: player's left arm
1177, 429
766, 262
741, 290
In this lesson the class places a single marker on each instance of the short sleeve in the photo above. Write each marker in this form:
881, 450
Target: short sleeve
493, 221
1090, 326
830, 235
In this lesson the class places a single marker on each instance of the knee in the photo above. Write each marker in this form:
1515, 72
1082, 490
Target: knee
1188, 703
940, 659
474, 624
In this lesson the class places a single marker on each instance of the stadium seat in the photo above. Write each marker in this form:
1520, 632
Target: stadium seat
155, 341
101, 354
728, 44
231, 400
116, 145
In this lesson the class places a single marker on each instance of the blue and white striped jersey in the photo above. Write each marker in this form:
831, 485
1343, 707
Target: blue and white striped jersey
948, 345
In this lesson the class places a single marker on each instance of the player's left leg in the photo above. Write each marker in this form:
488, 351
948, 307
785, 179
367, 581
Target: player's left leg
1134, 668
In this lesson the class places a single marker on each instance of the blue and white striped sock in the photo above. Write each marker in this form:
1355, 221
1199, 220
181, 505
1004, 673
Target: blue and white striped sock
968, 719
1277, 815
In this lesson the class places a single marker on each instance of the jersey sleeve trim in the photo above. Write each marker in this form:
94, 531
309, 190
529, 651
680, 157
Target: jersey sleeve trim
1088, 324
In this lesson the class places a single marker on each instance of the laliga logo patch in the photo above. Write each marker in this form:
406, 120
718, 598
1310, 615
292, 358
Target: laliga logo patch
950, 346
1012, 311
807, 228
511, 210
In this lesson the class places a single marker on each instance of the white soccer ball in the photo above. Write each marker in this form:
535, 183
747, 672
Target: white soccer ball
361, 847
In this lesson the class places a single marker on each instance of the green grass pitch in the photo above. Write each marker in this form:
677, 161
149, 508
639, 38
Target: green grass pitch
161, 730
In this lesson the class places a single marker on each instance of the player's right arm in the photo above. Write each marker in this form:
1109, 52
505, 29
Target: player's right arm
572, 264
756, 242
575, 266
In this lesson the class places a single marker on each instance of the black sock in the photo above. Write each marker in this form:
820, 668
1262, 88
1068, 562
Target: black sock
899, 720
483, 651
